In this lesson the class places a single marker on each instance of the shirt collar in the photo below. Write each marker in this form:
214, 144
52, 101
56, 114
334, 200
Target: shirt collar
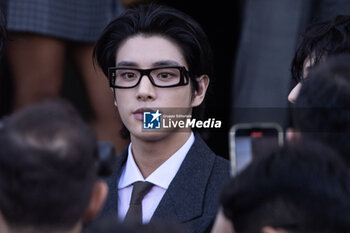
163, 175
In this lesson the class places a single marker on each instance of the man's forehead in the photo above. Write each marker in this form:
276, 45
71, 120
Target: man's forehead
150, 51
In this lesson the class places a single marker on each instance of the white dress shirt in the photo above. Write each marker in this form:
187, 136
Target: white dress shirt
161, 178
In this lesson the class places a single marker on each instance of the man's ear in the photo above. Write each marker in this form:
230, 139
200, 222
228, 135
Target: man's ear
115, 100
203, 83
268, 229
98, 197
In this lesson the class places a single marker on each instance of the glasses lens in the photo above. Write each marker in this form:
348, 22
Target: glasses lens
126, 77
161, 77
166, 76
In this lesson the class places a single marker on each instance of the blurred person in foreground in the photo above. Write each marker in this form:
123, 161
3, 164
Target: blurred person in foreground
318, 42
322, 108
300, 188
48, 170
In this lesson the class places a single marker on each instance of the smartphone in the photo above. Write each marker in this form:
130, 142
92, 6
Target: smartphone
249, 140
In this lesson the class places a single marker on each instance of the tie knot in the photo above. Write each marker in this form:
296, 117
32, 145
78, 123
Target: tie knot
139, 191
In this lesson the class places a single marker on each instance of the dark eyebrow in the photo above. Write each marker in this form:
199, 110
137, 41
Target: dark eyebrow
127, 64
165, 63
155, 64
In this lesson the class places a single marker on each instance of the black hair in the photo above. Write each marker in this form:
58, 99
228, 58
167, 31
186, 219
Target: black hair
319, 40
47, 166
303, 187
154, 19
322, 109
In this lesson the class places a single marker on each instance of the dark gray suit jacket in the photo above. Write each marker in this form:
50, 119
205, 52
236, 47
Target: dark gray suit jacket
192, 196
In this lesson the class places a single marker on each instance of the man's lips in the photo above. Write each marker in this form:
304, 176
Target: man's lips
141, 110
138, 113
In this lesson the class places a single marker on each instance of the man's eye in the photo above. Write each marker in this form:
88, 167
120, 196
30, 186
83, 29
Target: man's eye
128, 75
165, 75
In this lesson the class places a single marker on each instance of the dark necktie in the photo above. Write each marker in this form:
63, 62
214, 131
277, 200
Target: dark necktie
139, 191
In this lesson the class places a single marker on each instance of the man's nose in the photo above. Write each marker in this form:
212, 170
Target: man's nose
145, 89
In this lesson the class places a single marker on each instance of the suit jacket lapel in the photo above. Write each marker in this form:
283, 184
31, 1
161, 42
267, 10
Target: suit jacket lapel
184, 198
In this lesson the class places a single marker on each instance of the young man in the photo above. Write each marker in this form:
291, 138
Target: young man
48, 170
319, 40
304, 188
159, 58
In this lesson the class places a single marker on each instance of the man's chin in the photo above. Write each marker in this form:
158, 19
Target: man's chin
154, 135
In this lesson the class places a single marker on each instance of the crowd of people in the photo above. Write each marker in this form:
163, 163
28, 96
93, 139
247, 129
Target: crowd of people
168, 180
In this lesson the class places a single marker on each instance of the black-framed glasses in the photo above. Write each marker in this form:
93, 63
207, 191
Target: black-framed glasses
166, 76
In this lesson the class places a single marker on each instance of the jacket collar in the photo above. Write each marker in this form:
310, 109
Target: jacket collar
183, 199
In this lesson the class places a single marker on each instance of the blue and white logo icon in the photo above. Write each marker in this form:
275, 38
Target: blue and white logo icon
151, 120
